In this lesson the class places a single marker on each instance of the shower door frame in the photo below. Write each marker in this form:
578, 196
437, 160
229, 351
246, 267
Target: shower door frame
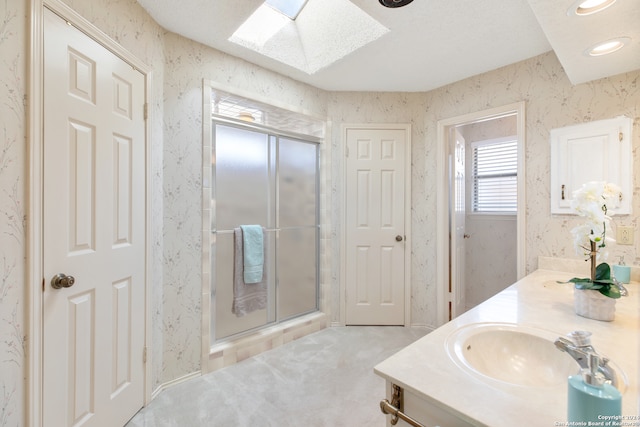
273, 226
209, 87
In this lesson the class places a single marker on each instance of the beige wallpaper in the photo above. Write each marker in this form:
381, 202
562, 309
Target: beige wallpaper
178, 67
551, 101
12, 210
187, 64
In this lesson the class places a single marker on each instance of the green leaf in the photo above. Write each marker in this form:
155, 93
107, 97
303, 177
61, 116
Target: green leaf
578, 280
588, 285
603, 272
610, 291
603, 283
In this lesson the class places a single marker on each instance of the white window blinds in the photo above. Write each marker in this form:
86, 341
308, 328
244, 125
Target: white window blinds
495, 176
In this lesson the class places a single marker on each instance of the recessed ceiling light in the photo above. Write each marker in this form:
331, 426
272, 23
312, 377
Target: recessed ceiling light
588, 7
607, 47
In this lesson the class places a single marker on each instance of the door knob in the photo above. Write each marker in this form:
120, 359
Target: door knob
60, 281
398, 238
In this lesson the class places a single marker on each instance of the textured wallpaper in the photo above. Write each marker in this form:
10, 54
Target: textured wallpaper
178, 67
551, 102
187, 64
12, 211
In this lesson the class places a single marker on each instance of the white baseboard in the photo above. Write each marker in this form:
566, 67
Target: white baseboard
173, 382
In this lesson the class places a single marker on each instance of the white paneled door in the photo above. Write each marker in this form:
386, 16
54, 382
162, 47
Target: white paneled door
375, 229
94, 232
457, 286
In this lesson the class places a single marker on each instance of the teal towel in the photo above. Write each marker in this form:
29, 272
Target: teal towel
253, 242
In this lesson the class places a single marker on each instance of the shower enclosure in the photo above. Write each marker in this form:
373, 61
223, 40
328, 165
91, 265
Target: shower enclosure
267, 178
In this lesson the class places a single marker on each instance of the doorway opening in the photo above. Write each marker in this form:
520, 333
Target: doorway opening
476, 225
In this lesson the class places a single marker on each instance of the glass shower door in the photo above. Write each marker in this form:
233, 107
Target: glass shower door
298, 228
269, 180
243, 195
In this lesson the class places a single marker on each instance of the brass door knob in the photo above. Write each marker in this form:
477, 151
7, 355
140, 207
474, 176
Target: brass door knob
398, 238
61, 280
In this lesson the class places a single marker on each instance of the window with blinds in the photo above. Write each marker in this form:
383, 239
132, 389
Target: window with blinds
495, 176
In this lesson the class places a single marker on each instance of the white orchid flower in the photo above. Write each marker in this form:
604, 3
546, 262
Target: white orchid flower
593, 201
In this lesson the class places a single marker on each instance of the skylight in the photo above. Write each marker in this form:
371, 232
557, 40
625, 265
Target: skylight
289, 8
325, 32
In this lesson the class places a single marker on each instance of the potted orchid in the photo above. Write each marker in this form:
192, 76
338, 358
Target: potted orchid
593, 201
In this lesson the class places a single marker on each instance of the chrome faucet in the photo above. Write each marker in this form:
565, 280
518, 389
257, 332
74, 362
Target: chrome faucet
579, 347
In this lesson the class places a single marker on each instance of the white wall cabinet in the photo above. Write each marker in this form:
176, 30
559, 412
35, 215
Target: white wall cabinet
594, 151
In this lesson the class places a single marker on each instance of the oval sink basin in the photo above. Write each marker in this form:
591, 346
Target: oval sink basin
511, 354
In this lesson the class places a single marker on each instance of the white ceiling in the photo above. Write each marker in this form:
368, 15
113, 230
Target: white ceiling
430, 43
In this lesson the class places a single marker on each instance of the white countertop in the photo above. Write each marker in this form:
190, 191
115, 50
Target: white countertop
537, 301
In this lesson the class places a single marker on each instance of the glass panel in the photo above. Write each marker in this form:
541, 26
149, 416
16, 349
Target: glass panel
297, 183
241, 180
297, 264
230, 105
289, 8
246, 164
226, 322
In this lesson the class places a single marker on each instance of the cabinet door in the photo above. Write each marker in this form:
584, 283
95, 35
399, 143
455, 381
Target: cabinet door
594, 151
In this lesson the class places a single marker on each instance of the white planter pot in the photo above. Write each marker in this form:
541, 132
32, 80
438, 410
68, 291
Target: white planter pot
593, 305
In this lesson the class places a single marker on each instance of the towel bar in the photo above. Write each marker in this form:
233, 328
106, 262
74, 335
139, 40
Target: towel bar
395, 408
268, 230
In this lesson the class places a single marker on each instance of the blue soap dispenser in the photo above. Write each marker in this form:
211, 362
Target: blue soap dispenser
591, 396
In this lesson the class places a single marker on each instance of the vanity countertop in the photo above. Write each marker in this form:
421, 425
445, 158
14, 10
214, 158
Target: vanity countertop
536, 301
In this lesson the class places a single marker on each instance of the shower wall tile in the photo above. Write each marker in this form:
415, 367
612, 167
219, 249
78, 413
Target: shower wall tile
230, 353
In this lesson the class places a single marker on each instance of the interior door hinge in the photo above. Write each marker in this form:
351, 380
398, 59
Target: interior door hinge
43, 285
145, 110
144, 354
620, 136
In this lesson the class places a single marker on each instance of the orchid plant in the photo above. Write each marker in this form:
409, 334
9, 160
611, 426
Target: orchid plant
593, 201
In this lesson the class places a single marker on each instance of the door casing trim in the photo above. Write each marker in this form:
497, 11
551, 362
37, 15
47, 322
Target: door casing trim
35, 210
442, 194
406, 127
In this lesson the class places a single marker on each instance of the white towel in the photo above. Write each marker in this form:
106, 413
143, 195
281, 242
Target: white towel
252, 297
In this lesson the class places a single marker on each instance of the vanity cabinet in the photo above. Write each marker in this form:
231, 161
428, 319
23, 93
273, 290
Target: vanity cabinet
438, 391
594, 151
425, 412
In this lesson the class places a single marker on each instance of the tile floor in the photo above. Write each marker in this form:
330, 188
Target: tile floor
325, 379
